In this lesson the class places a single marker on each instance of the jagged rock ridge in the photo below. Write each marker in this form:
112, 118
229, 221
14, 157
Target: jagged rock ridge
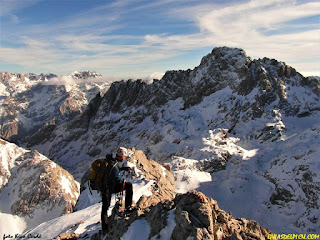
188, 216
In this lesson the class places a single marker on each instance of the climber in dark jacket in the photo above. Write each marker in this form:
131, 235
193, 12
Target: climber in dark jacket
112, 183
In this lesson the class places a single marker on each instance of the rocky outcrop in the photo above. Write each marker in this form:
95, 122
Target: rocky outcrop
5, 77
191, 215
164, 183
34, 187
314, 84
141, 171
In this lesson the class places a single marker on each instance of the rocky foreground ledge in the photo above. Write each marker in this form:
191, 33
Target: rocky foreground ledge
195, 217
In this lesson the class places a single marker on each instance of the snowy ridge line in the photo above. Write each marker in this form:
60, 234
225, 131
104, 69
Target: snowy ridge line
244, 132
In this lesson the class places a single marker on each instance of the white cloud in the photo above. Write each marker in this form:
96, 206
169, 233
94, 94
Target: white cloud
262, 28
155, 75
178, 42
152, 76
249, 22
69, 80
87, 41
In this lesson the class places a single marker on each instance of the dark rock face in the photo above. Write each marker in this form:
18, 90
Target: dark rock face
221, 68
313, 83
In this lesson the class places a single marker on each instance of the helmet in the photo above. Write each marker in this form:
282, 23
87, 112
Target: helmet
121, 153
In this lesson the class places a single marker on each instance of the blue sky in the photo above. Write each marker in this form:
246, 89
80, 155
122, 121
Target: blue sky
135, 38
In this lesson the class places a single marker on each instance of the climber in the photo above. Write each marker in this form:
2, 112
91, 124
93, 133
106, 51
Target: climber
112, 183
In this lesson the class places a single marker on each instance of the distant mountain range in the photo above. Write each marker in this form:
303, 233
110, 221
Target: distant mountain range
30, 102
243, 131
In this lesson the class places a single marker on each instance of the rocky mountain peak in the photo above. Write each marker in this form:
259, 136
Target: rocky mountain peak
236, 88
191, 85
223, 68
40, 102
226, 57
85, 75
5, 76
33, 187
47, 76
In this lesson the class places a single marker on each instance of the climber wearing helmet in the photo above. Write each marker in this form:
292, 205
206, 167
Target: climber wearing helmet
112, 183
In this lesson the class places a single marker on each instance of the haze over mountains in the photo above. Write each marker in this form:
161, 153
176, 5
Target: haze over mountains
245, 132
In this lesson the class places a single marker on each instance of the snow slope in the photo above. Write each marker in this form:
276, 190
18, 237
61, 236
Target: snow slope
239, 189
33, 189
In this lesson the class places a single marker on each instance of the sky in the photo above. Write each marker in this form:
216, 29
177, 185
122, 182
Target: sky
140, 38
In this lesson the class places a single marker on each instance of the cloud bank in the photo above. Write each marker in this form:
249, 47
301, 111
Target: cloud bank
69, 80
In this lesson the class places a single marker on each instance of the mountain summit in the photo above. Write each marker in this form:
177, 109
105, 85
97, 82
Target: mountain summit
227, 90
243, 131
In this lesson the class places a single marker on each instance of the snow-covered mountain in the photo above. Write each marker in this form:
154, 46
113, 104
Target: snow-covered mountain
250, 98
243, 131
12, 84
33, 189
30, 103
234, 120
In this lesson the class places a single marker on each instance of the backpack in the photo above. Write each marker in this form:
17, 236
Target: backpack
98, 168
